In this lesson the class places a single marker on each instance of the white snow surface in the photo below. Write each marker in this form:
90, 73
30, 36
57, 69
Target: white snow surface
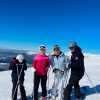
92, 65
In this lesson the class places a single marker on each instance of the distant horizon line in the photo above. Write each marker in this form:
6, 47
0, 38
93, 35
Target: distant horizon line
35, 51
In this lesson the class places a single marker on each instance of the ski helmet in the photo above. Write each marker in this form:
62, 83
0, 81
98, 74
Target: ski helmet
20, 58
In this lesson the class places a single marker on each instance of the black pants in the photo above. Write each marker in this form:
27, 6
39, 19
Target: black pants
73, 81
22, 90
37, 80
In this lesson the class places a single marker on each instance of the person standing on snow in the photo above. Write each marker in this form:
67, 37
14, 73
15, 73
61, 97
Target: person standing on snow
77, 71
59, 62
41, 65
18, 66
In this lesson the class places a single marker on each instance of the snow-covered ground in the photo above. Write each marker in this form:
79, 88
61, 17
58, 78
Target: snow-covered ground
92, 64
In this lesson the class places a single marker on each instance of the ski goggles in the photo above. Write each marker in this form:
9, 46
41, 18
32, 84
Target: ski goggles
42, 47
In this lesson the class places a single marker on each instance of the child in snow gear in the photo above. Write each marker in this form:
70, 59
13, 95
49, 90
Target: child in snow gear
41, 65
18, 66
58, 60
77, 71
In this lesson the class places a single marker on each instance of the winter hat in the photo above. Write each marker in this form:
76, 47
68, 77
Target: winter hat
20, 58
42, 47
72, 44
56, 47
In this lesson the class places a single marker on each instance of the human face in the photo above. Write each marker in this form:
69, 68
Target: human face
57, 51
72, 49
43, 50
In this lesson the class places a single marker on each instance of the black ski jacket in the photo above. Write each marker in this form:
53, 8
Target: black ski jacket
16, 68
77, 63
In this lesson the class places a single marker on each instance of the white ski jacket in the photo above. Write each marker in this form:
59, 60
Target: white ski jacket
59, 62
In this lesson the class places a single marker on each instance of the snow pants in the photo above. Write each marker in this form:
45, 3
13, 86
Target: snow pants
37, 80
58, 85
73, 81
15, 89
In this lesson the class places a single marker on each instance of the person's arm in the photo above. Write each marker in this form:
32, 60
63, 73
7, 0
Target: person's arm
82, 64
51, 60
25, 65
52, 63
34, 64
12, 64
67, 62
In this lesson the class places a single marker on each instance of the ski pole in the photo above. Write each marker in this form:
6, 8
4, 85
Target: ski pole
91, 82
19, 75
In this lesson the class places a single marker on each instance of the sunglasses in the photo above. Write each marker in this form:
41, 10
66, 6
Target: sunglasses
71, 48
42, 47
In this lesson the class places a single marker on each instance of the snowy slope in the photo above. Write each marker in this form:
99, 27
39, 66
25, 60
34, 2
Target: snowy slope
92, 63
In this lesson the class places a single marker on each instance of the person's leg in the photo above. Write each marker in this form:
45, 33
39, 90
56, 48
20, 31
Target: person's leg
14, 90
36, 86
68, 89
55, 84
77, 89
61, 86
43, 85
22, 90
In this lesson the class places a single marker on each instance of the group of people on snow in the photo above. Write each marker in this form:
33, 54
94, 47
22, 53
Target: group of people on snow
60, 65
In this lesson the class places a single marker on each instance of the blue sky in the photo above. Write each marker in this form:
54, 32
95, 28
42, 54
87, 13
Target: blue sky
29, 23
